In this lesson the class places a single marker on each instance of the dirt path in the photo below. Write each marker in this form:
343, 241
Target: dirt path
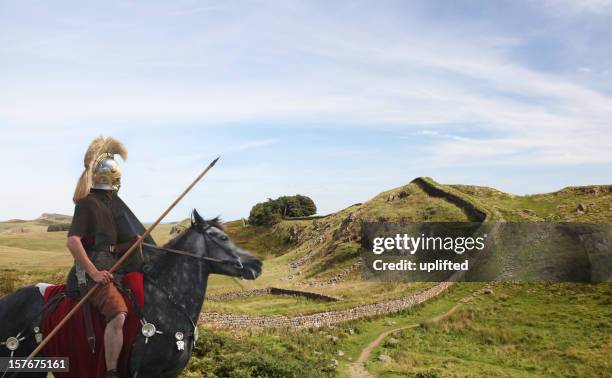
357, 369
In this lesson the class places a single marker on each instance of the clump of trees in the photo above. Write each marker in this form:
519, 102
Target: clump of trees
58, 227
273, 210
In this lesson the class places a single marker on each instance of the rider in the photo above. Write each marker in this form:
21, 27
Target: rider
92, 241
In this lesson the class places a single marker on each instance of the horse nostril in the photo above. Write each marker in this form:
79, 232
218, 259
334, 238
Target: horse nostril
239, 264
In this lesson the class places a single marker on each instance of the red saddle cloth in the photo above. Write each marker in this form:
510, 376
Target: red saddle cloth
71, 340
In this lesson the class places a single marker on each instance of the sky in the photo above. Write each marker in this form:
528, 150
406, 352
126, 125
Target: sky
335, 100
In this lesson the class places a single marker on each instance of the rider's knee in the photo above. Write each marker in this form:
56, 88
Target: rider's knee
118, 320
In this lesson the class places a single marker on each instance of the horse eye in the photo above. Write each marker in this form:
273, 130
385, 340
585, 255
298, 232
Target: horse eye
223, 237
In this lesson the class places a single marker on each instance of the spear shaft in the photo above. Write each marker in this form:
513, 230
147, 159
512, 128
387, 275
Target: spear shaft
118, 263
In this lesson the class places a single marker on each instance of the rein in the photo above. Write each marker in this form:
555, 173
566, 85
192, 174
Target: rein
189, 254
237, 263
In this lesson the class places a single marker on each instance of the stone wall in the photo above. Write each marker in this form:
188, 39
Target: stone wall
243, 321
270, 290
476, 213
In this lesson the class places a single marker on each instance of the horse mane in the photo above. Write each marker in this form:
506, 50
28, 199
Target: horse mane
176, 238
215, 222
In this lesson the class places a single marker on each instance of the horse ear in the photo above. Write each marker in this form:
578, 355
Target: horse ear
196, 218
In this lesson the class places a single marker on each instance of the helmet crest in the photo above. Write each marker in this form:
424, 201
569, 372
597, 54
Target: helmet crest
101, 170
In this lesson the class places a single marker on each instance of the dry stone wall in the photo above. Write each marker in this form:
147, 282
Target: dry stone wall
230, 296
243, 321
475, 213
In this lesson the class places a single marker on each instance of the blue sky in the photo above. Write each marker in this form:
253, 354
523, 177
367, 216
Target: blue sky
335, 100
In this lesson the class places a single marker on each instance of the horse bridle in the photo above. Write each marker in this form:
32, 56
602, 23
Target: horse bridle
236, 263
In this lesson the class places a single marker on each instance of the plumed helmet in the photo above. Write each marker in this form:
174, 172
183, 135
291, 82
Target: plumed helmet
101, 169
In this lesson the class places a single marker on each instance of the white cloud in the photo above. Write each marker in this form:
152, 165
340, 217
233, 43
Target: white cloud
581, 6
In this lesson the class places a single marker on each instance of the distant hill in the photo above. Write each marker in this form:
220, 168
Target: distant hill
44, 219
50, 218
21, 226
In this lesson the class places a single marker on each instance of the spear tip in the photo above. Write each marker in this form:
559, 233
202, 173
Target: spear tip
215, 161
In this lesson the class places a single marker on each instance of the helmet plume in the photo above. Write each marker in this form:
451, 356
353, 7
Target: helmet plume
97, 147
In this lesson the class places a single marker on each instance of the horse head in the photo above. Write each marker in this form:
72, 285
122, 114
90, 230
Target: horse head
224, 257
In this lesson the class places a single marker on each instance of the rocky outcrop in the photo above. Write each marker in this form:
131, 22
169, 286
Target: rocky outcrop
588, 190
338, 277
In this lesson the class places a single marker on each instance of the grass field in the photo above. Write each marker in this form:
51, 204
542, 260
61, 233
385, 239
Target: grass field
520, 330
353, 294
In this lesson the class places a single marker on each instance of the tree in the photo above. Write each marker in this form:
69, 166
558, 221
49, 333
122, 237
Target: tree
271, 212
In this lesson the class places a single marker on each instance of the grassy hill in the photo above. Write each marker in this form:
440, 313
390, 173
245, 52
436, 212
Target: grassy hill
571, 204
320, 249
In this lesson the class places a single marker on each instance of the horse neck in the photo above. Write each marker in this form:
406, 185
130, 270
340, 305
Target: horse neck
184, 278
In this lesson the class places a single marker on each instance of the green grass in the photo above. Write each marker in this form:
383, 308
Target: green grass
367, 330
37, 241
344, 255
415, 206
303, 353
353, 294
520, 330
555, 206
262, 241
275, 354
29, 248
267, 305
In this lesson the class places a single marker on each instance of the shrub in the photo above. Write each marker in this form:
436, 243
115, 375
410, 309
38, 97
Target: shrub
270, 212
58, 227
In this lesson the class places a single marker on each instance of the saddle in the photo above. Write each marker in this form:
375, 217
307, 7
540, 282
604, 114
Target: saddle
72, 341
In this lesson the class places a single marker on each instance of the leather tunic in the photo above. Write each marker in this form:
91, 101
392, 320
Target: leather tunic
94, 223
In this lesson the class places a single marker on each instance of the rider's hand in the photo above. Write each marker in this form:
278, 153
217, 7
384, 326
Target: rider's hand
102, 276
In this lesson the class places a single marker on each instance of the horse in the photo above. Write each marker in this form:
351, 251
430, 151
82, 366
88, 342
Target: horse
174, 280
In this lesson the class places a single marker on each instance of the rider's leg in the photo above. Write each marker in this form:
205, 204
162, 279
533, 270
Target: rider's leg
112, 306
113, 340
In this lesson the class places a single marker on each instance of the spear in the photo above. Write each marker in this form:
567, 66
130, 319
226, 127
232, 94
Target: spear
118, 263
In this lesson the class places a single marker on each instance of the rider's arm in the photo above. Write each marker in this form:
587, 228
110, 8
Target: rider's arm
75, 246
81, 222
